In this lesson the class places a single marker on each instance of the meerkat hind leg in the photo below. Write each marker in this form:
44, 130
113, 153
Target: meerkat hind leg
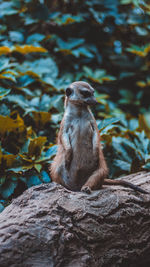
94, 182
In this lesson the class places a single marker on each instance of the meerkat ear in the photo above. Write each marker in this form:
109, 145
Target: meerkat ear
68, 91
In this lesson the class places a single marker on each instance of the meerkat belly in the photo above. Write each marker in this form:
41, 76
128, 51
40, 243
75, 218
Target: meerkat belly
81, 142
83, 159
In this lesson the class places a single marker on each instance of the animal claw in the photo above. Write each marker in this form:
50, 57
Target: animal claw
86, 189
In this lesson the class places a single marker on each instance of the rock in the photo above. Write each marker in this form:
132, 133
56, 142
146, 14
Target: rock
49, 225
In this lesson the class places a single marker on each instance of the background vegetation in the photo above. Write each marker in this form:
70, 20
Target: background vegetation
44, 46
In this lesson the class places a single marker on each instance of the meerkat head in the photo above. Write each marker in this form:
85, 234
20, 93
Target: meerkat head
80, 93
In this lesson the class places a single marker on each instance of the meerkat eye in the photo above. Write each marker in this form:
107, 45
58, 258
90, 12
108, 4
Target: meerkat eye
86, 93
68, 91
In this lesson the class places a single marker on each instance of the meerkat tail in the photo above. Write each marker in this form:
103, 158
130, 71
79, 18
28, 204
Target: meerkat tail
125, 184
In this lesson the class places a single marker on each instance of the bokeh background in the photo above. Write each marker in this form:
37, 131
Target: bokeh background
44, 46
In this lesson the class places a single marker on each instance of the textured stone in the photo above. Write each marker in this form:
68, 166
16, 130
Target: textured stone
49, 225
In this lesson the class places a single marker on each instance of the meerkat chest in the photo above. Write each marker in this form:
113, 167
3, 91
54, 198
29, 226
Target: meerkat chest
80, 132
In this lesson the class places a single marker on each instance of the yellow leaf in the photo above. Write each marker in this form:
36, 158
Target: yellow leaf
141, 84
29, 49
96, 80
8, 160
9, 75
4, 50
41, 118
6, 77
33, 74
8, 72
106, 79
28, 167
139, 53
36, 145
23, 9
147, 119
29, 131
147, 49
26, 158
143, 125
68, 21
65, 51
8, 124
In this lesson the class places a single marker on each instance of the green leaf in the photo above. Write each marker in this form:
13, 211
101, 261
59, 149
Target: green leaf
133, 124
35, 38
16, 169
38, 167
51, 151
141, 31
7, 8
120, 149
70, 44
128, 143
19, 100
123, 165
41, 67
126, 94
2, 180
56, 118
4, 64
30, 20
147, 166
45, 177
8, 189
107, 122
4, 92
1, 207
33, 180
98, 76
82, 51
25, 80
16, 37
43, 103
66, 19
58, 102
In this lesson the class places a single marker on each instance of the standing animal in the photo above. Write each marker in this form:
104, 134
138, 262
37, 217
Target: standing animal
79, 163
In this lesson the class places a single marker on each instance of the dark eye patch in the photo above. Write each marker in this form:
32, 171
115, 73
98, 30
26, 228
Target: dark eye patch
68, 91
86, 93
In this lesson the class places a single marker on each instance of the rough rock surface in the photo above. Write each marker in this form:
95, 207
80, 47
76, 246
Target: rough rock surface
49, 225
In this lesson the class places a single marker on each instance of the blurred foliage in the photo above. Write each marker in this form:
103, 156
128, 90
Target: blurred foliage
45, 45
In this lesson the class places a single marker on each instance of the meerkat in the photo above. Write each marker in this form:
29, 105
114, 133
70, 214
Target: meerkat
79, 164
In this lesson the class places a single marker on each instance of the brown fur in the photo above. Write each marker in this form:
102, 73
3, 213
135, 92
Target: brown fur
79, 163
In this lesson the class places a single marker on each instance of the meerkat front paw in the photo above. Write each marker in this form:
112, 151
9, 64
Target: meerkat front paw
86, 189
